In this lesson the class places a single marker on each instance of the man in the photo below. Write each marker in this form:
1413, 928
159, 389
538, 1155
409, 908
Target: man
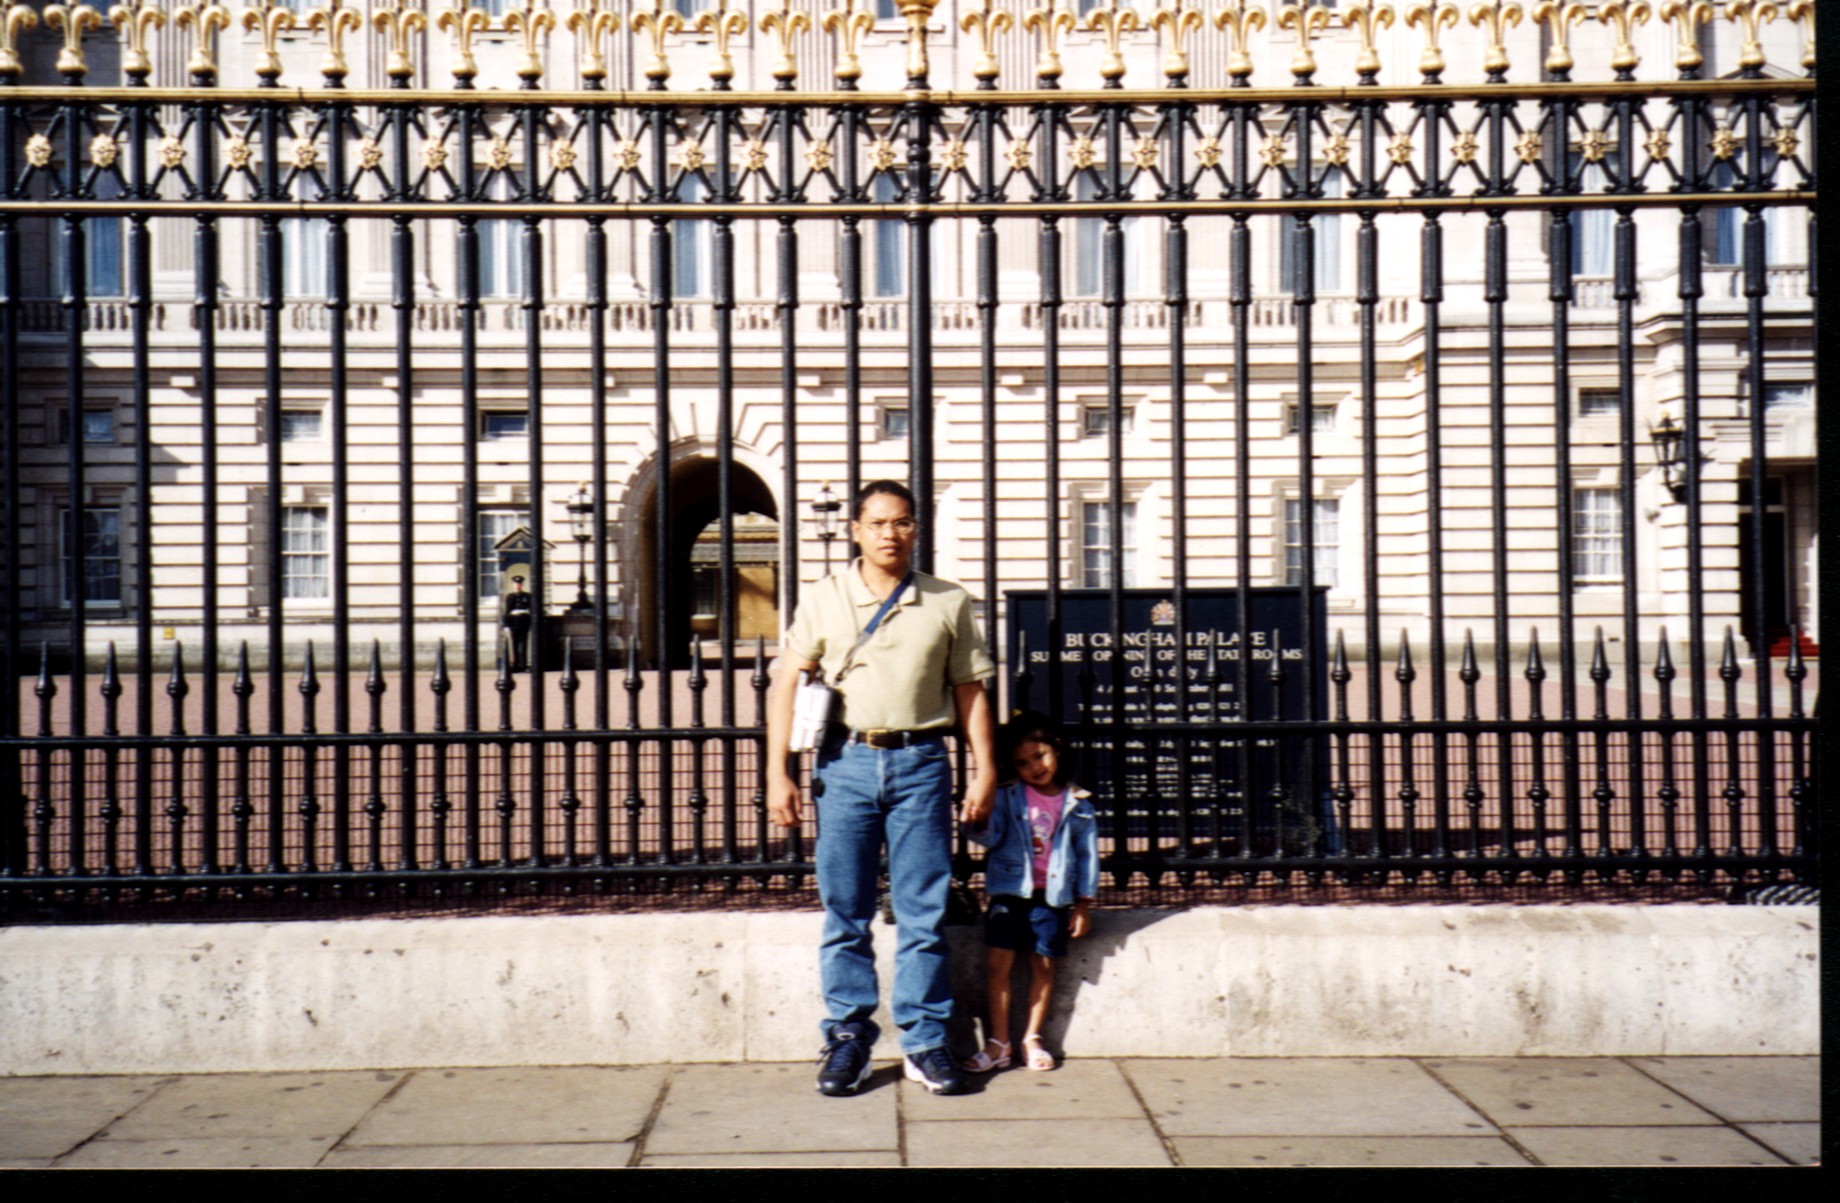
515, 610
883, 775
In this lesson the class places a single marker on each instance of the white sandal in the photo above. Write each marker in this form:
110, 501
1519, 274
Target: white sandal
1039, 1058
983, 1062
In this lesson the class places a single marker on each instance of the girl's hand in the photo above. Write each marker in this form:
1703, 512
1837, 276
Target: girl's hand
1082, 920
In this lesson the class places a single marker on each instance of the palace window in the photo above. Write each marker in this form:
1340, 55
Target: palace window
1597, 536
1096, 557
306, 553
1325, 539
101, 556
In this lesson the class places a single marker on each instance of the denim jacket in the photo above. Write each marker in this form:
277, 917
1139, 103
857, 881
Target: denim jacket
1073, 860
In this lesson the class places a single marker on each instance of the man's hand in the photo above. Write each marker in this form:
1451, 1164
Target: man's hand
980, 799
783, 802
1081, 922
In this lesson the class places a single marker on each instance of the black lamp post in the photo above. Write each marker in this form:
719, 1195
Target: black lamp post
1670, 440
826, 524
580, 506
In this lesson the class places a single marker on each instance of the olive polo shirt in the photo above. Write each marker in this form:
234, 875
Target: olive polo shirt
902, 677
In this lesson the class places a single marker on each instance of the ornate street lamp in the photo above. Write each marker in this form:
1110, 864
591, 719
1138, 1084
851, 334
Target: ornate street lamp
826, 525
580, 506
1670, 440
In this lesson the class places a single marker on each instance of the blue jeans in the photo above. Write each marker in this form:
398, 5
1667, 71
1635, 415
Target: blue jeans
903, 796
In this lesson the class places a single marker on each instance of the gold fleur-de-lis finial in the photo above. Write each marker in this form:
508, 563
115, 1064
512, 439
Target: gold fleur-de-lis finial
1114, 23
658, 23
593, 22
15, 19
1049, 21
74, 20
1497, 16
268, 20
1559, 17
845, 25
1625, 15
1753, 15
1369, 17
1687, 16
918, 13
1803, 11
135, 18
786, 22
1308, 19
205, 18
397, 19
1239, 21
337, 21
987, 23
1177, 22
464, 22
1433, 16
723, 25
532, 19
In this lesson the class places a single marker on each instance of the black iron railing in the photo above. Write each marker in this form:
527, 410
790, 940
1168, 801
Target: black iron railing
288, 714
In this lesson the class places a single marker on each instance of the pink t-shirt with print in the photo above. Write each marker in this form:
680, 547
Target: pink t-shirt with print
1044, 816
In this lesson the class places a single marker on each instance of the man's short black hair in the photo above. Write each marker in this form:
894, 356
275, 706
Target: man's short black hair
893, 488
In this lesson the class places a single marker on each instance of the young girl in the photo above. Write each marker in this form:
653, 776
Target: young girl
1041, 872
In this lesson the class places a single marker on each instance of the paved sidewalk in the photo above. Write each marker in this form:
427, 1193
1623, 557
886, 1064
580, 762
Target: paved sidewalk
1595, 1111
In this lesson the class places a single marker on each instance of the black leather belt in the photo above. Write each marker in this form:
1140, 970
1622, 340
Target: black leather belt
891, 739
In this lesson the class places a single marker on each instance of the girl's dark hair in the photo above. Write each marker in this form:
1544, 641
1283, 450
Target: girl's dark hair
1032, 726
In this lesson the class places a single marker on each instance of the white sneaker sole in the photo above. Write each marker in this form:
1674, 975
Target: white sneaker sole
867, 1069
915, 1075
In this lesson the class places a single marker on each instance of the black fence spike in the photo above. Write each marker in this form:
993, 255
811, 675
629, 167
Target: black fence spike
309, 675
1536, 666
1469, 674
438, 682
111, 677
1728, 663
1338, 664
47, 688
1600, 659
697, 680
243, 686
1664, 659
759, 679
1406, 673
568, 682
1794, 669
176, 686
373, 681
1211, 670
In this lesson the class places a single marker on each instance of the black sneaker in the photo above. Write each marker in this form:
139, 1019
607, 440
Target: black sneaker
843, 1064
935, 1070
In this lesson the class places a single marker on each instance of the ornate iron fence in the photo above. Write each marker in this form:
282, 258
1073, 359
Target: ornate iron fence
699, 304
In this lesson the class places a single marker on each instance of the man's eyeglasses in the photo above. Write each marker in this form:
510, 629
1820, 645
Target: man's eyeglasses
900, 526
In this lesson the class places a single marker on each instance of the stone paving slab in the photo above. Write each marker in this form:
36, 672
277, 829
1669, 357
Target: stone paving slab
1757, 1089
1284, 1096
535, 1106
1800, 1143
1664, 1146
43, 1117
480, 1156
212, 1106
772, 1108
1031, 1143
1281, 1151
869, 1158
1565, 1092
229, 1153
1077, 1090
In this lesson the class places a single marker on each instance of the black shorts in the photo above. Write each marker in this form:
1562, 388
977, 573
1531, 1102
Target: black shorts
1027, 924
